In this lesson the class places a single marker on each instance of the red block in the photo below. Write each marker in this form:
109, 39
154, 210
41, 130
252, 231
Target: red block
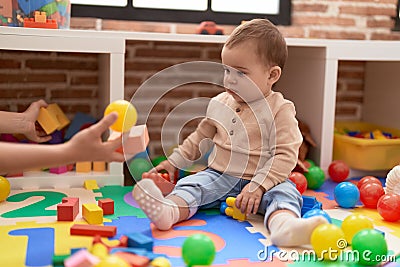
68, 209
93, 230
107, 204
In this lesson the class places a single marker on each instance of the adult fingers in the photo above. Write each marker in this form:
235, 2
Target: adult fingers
104, 123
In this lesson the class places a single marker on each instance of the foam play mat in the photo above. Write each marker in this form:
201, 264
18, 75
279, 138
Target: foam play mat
30, 234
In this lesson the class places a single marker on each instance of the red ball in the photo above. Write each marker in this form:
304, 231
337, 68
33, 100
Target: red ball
370, 194
368, 179
389, 207
338, 171
300, 180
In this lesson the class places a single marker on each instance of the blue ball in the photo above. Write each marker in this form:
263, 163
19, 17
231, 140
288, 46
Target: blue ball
223, 207
346, 195
317, 212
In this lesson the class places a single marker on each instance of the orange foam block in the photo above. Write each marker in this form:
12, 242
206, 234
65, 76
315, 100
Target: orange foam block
84, 166
68, 209
93, 230
99, 166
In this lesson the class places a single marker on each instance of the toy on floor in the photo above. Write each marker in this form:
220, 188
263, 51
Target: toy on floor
328, 238
346, 195
233, 211
310, 203
338, 171
300, 180
393, 180
368, 180
389, 207
370, 194
138, 166
5, 188
317, 212
354, 223
315, 177
198, 249
371, 246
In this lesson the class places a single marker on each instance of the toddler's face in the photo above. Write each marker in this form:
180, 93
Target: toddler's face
245, 77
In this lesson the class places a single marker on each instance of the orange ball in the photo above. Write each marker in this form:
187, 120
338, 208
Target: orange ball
127, 115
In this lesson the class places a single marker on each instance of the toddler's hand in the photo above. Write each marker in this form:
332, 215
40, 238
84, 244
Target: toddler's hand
166, 165
249, 199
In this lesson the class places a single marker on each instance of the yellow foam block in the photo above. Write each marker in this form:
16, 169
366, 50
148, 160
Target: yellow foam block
233, 211
48, 121
99, 166
59, 114
84, 166
92, 213
90, 184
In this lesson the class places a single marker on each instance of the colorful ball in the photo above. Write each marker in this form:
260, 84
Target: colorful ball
317, 212
346, 194
5, 188
328, 238
338, 171
223, 208
367, 180
198, 249
354, 223
315, 177
300, 180
138, 166
389, 207
371, 246
127, 115
370, 194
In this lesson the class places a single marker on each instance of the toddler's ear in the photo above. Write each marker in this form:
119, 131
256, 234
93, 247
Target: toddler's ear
274, 74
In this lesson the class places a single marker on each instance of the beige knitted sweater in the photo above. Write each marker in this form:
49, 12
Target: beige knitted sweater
258, 141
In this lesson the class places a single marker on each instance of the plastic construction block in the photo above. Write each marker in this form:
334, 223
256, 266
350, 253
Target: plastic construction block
233, 211
107, 204
82, 258
310, 203
92, 213
90, 184
68, 209
59, 114
40, 16
49, 24
139, 240
59, 170
84, 166
99, 166
48, 121
93, 230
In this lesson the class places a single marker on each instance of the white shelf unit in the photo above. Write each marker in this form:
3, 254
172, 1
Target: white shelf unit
111, 53
309, 78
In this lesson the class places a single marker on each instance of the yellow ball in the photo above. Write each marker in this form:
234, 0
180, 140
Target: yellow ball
160, 262
127, 115
354, 223
328, 241
5, 188
112, 261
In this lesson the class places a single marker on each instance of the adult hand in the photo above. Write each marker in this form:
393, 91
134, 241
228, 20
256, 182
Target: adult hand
31, 128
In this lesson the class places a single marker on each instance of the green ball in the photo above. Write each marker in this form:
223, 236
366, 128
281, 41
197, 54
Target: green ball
371, 246
158, 160
198, 249
138, 166
315, 177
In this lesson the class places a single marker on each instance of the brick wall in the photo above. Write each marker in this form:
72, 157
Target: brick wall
72, 82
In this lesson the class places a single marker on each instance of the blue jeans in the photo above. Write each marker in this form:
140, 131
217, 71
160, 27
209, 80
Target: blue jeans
208, 188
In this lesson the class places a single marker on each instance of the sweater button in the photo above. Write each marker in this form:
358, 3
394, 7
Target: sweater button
237, 109
231, 132
233, 120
